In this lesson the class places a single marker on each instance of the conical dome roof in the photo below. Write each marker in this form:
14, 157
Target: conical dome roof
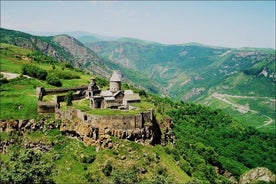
116, 77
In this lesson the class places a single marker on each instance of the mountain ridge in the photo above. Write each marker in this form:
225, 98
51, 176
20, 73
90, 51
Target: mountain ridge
79, 34
52, 48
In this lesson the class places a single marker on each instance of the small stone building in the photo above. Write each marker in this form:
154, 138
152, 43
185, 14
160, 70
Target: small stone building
114, 98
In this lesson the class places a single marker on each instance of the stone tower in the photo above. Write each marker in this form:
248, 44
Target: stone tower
93, 92
115, 82
93, 89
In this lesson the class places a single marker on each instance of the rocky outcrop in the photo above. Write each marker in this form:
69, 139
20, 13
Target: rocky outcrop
230, 177
194, 92
73, 46
257, 175
43, 45
43, 147
82, 56
25, 125
38, 146
21, 126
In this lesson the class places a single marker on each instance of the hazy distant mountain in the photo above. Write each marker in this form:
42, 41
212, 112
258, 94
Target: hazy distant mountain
80, 35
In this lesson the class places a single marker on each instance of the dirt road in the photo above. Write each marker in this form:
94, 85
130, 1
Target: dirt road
243, 108
10, 76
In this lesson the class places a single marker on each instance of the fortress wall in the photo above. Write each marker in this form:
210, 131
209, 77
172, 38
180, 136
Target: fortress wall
128, 122
44, 107
147, 116
92, 129
61, 98
63, 90
40, 91
66, 115
112, 122
139, 121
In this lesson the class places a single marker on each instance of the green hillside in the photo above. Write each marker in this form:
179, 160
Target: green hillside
206, 140
68, 50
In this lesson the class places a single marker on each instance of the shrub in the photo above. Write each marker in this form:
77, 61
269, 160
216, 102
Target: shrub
34, 71
142, 93
65, 75
27, 166
52, 79
41, 74
69, 98
3, 81
68, 65
101, 81
162, 170
88, 159
159, 179
107, 168
127, 177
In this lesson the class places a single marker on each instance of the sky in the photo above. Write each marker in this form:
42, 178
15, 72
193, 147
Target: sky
233, 24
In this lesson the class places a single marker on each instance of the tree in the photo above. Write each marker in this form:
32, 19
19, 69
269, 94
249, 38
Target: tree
41, 74
124, 177
69, 98
27, 166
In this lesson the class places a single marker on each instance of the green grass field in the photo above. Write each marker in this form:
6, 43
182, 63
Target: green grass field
18, 99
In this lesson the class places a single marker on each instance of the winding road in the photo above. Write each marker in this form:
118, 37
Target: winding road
243, 108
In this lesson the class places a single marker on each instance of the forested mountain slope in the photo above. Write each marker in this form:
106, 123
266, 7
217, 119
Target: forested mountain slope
180, 68
240, 81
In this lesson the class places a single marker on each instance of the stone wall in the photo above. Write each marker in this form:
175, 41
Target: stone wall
46, 107
64, 90
50, 107
124, 122
142, 127
40, 91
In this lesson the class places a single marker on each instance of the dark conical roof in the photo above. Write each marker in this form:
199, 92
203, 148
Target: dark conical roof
116, 77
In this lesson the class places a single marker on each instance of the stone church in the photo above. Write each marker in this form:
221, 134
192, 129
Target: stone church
114, 98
